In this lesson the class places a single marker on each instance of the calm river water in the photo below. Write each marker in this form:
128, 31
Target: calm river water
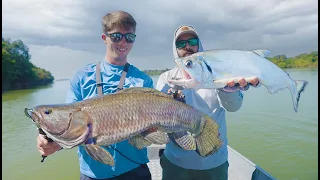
266, 130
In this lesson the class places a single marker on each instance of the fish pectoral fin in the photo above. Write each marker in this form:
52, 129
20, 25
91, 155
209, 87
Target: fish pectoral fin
139, 141
184, 140
99, 154
156, 137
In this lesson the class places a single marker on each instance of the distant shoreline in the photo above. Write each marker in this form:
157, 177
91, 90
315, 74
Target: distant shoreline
64, 79
17, 70
157, 74
26, 87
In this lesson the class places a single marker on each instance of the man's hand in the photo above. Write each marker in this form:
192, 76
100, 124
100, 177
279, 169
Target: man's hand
177, 95
254, 82
241, 85
46, 148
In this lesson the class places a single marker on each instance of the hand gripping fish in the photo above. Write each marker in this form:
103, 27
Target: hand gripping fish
141, 115
214, 68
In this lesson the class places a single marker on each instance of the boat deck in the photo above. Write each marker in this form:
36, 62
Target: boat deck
240, 168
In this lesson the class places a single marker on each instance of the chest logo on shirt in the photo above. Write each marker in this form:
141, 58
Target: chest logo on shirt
134, 82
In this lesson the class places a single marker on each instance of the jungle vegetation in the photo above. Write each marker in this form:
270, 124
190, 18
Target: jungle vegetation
17, 70
306, 60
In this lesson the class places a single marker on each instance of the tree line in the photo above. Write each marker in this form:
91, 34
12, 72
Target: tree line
17, 70
301, 61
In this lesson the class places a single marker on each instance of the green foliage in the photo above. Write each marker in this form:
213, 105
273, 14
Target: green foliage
155, 72
17, 70
300, 61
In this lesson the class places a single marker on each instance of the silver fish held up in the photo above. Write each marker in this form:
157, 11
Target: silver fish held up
140, 115
212, 69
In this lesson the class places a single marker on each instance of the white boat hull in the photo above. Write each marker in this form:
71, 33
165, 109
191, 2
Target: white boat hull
240, 168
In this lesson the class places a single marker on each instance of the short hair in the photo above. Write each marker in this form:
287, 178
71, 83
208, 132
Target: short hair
119, 19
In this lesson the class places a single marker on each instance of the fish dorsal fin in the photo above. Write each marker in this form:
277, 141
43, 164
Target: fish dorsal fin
136, 90
262, 52
144, 90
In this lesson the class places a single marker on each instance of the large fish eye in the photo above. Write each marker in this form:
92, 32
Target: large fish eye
47, 111
189, 64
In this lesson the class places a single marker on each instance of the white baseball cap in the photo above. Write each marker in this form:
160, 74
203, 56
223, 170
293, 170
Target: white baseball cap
185, 30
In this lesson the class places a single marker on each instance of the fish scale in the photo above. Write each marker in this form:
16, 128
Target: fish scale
128, 116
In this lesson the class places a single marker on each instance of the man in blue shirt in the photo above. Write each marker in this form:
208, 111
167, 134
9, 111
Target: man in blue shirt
107, 76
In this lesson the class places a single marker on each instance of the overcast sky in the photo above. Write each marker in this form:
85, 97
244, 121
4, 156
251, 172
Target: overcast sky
64, 35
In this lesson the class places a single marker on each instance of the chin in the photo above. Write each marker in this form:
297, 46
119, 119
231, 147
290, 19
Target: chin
122, 54
120, 58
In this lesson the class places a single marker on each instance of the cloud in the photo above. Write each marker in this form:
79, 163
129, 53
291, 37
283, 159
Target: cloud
69, 32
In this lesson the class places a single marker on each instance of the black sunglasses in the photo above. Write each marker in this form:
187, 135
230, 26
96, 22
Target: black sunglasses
192, 42
117, 37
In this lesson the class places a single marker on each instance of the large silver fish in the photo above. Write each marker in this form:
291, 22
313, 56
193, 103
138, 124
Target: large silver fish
141, 115
214, 68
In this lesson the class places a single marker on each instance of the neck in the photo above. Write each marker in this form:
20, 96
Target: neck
116, 61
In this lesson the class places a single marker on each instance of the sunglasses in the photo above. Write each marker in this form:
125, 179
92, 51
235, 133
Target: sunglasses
117, 37
192, 42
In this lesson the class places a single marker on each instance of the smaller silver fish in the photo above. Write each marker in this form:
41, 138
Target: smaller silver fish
213, 69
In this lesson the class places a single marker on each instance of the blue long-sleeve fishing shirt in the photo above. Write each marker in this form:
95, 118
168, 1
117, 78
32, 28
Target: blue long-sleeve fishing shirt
82, 86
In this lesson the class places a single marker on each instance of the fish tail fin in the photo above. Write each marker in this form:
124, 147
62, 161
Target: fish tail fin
208, 141
300, 86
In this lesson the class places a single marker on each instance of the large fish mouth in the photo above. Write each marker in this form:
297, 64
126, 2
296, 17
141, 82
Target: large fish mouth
37, 119
187, 80
34, 115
